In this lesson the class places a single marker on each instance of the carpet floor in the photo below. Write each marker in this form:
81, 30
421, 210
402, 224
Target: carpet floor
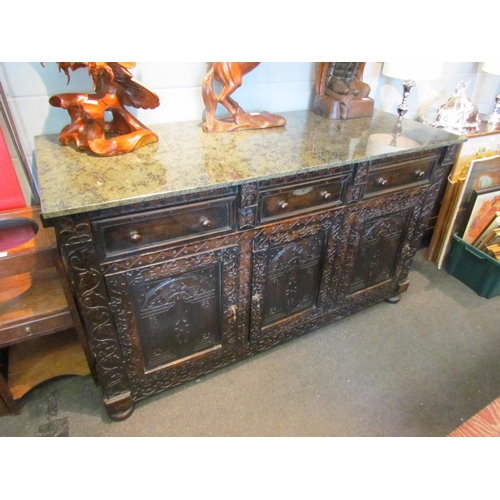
422, 367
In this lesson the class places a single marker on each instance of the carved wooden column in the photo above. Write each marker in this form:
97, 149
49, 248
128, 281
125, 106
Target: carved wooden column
82, 266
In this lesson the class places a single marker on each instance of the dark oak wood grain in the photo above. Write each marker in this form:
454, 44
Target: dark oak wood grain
165, 298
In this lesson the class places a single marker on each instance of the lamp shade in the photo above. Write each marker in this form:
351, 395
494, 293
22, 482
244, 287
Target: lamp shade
412, 70
491, 67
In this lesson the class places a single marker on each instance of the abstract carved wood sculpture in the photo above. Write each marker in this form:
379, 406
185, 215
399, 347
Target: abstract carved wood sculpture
230, 76
340, 93
114, 88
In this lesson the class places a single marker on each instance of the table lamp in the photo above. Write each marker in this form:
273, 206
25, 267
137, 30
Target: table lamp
494, 69
409, 72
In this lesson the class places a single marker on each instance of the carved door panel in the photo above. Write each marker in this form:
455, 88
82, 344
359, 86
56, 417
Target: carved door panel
176, 319
380, 249
293, 272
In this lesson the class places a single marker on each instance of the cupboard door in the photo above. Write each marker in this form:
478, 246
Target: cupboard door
292, 275
379, 253
177, 319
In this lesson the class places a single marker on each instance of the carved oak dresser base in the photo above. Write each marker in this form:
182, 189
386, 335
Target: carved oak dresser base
216, 247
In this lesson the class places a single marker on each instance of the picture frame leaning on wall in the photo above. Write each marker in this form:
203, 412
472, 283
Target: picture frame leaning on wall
483, 206
483, 145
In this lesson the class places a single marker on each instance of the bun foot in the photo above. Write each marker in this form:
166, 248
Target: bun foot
119, 408
393, 300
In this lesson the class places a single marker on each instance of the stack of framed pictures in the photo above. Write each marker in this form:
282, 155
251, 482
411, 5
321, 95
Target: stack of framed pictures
481, 198
475, 177
482, 221
474, 246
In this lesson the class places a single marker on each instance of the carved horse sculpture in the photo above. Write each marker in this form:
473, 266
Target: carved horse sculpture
114, 88
230, 76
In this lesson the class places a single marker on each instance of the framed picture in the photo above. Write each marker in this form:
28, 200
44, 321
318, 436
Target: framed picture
482, 208
484, 172
476, 148
483, 145
493, 225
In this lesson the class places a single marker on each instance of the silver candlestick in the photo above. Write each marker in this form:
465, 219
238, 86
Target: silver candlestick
403, 107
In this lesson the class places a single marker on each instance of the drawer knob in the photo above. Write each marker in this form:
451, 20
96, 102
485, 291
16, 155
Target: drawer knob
28, 330
135, 237
283, 205
206, 223
381, 182
419, 174
326, 195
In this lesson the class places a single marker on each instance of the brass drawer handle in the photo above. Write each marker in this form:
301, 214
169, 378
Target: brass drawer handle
419, 174
135, 237
325, 195
381, 182
283, 205
206, 223
29, 331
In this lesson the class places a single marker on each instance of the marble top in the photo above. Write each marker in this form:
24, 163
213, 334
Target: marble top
187, 160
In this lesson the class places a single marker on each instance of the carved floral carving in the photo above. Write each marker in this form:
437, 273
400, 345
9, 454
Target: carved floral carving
88, 284
180, 310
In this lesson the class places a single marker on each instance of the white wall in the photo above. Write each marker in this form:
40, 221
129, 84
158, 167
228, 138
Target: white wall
272, 86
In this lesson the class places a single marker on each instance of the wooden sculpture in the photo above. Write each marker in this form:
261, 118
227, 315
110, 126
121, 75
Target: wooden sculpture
340, 91
114, 88
230, 76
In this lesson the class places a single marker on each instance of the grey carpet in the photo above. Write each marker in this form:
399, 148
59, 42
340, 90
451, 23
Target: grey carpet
417, 368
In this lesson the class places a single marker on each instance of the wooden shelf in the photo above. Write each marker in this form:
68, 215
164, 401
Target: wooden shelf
40, 331
32, 304
38, 360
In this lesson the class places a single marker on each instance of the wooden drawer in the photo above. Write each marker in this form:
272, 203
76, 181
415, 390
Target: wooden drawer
386, 177
32, 304
35, 328
283, 202
126, 234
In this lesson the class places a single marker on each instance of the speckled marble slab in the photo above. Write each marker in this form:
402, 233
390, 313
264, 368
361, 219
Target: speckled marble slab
187, 160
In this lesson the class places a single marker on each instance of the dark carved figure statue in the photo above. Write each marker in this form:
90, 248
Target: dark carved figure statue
230, 76
343, 79
115, 88
340, 91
